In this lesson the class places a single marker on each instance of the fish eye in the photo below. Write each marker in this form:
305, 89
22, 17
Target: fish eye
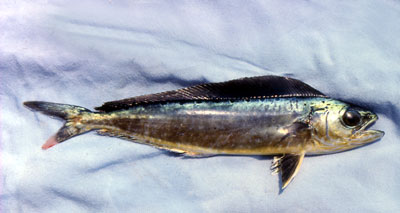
351, 117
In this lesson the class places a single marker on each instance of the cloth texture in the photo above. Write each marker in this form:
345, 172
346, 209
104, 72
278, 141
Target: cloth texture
88, 52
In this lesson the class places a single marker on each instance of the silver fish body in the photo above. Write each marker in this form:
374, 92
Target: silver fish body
296, 122
255, 127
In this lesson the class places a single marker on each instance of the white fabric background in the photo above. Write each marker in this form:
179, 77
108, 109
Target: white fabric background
88, 52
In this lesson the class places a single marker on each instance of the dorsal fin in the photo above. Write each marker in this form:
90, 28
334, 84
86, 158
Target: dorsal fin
245, 88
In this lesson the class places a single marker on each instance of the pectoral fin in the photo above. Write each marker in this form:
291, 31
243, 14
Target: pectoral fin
288, 165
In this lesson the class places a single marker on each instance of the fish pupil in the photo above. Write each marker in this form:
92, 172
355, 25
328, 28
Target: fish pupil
351, 118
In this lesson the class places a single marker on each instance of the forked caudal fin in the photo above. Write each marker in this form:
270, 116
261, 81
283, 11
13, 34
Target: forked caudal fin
69, 113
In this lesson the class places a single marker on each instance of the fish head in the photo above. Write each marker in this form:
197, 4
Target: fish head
340, 126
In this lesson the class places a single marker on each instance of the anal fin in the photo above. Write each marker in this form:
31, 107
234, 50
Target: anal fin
142, 140
288, 166
117, 133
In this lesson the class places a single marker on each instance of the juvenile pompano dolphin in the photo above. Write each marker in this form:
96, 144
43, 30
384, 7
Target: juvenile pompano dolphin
267, 115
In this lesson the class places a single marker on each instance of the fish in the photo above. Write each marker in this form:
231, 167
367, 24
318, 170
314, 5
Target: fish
264, 115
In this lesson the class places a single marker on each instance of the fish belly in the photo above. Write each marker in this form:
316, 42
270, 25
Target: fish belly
255, 127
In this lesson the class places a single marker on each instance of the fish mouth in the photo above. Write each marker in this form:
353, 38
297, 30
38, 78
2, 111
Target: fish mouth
365, 135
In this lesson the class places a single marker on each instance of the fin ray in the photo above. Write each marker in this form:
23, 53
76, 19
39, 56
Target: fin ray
244, 88
128, 136
65, 112
288, 166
